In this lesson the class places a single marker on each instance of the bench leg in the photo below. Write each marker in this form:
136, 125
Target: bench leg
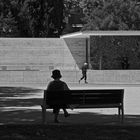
122, 114
119, 111
43, 114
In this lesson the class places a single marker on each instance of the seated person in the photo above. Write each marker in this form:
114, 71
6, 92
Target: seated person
57, 85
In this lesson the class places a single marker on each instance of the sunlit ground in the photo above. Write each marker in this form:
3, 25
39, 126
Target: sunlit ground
22, 105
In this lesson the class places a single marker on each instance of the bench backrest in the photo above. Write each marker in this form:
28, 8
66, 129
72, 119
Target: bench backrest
104, 96
95, 96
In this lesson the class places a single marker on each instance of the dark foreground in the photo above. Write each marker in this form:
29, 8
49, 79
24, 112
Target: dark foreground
69, 132
75, 128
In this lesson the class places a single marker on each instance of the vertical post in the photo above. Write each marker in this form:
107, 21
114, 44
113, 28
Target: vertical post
122, 114
122, 106
44, 108
88, 52
119, 111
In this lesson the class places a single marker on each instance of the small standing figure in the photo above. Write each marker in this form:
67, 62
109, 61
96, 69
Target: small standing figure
125, 63
57, 85
84, 73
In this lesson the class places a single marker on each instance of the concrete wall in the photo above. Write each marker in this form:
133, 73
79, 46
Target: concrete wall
35, 78
77, 47
114, 76
29, 62
41, 78
35, 54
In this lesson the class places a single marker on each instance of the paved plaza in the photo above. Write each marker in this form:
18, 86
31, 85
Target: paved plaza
24, 107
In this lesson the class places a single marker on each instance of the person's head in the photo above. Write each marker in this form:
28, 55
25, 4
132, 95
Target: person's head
85, 64
56, 74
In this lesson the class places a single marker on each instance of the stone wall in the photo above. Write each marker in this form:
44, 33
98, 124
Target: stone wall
35, 78
35, 54
41, 78
114, 76
29, 62
77, 46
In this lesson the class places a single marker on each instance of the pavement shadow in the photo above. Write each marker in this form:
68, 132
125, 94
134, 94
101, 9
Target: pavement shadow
20, 96
20, 105
103, 119
33, 116
20, 116
20, 102
18, 91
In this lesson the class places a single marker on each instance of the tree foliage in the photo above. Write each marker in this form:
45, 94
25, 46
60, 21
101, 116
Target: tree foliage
7, 20
71, 5
111, 14
31, 18
46, 18
108, 52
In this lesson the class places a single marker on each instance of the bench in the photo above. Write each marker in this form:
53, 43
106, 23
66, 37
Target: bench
95, 98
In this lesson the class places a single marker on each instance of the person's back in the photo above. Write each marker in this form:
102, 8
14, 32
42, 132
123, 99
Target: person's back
56, 97
84, 69
57, 85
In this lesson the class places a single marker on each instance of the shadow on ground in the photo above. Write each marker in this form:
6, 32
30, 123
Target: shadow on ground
17, 91
20, 119
33, 116
20, 105
68, 132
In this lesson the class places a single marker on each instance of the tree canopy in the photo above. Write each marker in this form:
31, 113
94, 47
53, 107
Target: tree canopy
109, 52
111, 14
31, 18
47, 18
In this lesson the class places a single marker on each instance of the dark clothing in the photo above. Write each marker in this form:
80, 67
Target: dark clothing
84, 77
57, 85
84, 70
54, 98
84, 73
125, 63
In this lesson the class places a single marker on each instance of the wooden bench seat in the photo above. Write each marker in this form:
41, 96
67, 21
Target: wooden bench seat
93, 98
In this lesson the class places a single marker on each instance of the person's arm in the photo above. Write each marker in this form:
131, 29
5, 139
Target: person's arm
49, 86
66, 87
